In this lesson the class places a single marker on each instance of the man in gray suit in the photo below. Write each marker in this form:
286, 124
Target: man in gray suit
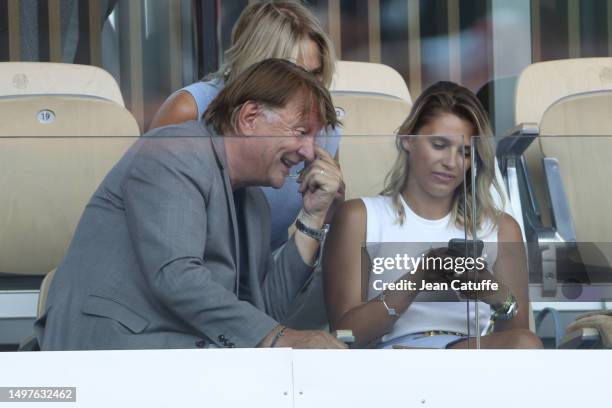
173, 250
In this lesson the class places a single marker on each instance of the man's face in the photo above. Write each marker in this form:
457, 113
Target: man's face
282, 138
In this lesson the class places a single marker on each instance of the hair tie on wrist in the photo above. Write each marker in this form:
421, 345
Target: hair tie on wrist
277, 337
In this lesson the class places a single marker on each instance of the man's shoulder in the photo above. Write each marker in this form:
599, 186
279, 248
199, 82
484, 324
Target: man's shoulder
186, 147
188, 139
191, 129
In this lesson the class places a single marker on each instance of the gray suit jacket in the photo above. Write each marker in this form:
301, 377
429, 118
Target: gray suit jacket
157, 260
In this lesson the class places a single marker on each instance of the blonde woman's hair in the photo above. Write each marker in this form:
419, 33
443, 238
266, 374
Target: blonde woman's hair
439, 99
270, 29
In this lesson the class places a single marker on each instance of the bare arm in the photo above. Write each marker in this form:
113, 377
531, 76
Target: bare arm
511, 271
343, 280
178, 108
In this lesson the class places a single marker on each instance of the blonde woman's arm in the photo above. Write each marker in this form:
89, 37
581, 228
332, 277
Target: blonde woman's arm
343, 280
511, 271
180, 107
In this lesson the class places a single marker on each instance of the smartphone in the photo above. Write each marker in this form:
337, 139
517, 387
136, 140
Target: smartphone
468, 248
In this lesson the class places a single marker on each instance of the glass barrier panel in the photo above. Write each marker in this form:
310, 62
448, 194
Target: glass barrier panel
178, 211
552, 254
557, 195
502, 284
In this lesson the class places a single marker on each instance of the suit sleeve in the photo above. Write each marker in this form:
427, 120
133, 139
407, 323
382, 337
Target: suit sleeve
288, 274
165, 194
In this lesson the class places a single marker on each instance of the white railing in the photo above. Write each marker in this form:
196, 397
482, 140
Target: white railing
287, 378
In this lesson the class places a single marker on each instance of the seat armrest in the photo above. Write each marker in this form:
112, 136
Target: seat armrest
556, 318
561, 212
517, 141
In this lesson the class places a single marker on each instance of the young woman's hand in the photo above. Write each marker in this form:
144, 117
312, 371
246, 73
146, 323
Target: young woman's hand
475, 282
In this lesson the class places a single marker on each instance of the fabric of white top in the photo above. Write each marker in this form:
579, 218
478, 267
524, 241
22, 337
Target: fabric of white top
203, 93
421, 234
286, 202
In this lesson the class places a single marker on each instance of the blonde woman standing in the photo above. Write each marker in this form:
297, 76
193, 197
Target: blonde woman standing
266, 29
424, 204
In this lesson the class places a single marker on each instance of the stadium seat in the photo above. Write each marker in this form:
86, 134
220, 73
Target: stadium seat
585, 121
556, 166
372, 101
45, 78
367, 77
63, 126
367, 147
543, 83
529, 170
538, 87
54, 151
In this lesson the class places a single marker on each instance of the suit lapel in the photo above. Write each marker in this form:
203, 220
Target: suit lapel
255, 237
219, 151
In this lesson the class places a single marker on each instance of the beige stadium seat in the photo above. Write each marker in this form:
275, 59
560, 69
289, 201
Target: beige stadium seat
372, 101
540, 107
367, 77
539, 86
566, 166
54, 152
543, 83
576, 132
45, 78
367, 147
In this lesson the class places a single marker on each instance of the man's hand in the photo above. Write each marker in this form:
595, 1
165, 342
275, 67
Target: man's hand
301, 339
309, 339
320, 184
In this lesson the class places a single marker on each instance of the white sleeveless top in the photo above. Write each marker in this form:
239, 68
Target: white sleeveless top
419, 235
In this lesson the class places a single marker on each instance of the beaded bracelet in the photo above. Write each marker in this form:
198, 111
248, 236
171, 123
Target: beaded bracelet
277, 337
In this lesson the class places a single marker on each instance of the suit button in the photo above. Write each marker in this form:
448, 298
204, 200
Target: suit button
221, 338
201, 344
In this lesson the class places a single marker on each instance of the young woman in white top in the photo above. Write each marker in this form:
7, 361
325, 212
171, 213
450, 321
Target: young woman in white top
424, 203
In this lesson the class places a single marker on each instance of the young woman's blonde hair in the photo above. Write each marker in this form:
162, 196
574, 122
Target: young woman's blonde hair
443, 98
269, 29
